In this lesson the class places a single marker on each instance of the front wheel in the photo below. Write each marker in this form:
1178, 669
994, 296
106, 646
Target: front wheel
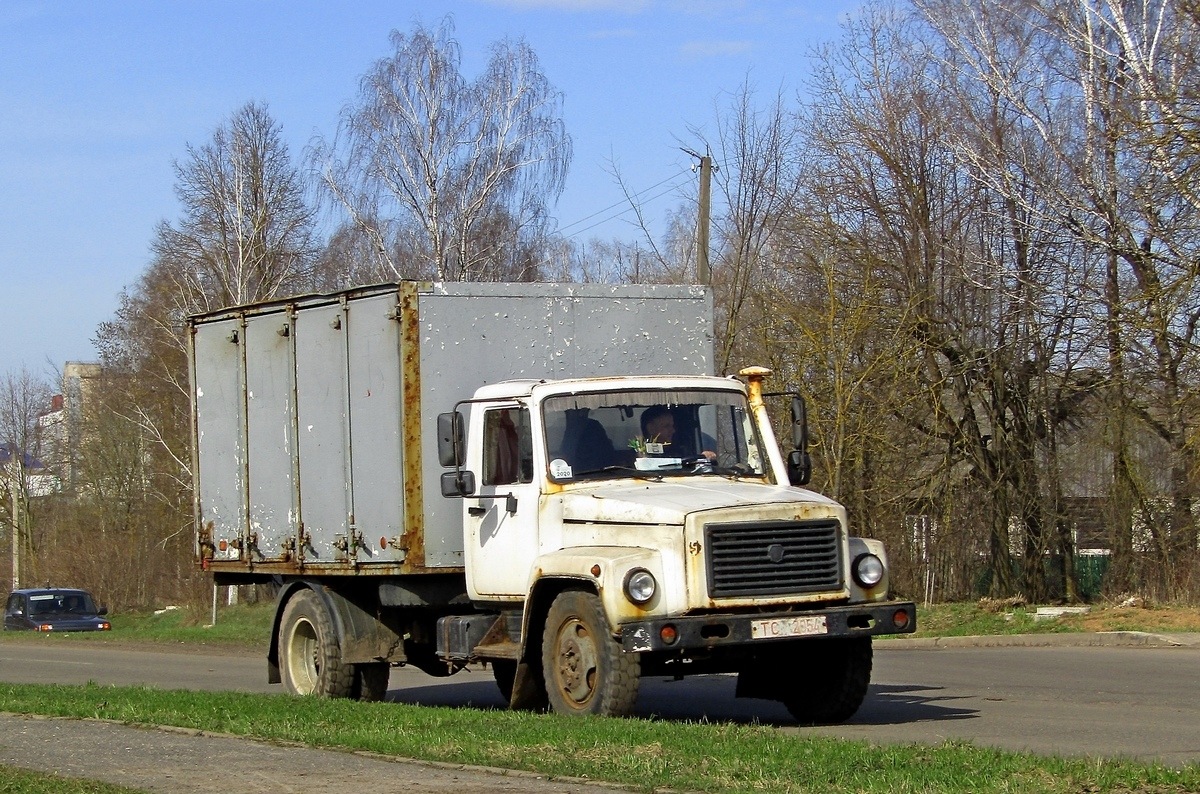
586, 670
310, 658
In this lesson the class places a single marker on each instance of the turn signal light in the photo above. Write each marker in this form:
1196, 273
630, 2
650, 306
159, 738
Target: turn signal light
900, 619
668, 634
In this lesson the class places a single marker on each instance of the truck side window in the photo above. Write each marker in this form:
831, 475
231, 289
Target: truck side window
507, 447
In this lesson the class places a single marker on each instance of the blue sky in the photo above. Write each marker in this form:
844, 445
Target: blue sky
98, 98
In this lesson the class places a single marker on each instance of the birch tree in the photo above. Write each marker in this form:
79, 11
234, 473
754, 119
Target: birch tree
246, 231
450, 178
23, 398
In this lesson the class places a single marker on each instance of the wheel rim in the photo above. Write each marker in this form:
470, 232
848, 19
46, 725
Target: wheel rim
303, 662
577, 657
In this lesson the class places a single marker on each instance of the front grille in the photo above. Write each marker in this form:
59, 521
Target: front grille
773, 557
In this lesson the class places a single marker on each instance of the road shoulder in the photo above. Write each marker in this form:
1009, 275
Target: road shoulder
184, 761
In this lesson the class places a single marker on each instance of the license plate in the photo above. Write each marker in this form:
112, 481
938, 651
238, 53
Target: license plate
788, 627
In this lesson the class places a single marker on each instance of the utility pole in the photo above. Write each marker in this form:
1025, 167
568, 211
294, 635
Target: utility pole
703, 274
702, 271
14, 492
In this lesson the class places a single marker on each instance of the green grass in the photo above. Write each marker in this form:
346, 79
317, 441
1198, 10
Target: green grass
239, 626
992, 618
971, 619
14, 780
649, 753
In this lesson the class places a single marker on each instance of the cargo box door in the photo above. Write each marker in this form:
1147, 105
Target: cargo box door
375, 432
323, 435
270, 425
221, 447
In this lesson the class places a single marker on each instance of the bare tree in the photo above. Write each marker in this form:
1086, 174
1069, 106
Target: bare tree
1107, 90
245, 234
247, 231
127, 495
967, 298
24, 397
758, 152
455, 175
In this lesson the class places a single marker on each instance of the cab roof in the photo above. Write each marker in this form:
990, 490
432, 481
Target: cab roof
525, 388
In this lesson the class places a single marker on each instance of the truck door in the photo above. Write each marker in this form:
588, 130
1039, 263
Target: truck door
501, 519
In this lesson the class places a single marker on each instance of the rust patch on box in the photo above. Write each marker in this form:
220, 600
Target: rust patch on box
413, 539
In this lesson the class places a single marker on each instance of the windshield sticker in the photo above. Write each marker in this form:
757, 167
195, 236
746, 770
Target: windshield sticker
560, 469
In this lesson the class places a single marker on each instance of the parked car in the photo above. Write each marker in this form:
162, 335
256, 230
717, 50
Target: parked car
54, 609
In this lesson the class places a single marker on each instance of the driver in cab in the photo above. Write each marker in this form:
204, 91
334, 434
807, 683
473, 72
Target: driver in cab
658, 426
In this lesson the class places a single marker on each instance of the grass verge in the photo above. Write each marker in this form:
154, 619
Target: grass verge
238, 625
653, 754
244, 626
14, 780
983, 618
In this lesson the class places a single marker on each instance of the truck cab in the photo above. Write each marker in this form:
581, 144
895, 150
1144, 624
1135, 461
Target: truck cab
650, 524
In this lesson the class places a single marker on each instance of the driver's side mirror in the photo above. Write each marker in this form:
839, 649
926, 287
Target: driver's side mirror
799, 467
799, 464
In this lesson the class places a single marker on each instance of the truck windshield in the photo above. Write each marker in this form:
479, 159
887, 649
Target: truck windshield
676, 433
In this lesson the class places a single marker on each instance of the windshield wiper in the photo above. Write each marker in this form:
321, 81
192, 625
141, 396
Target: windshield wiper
654, 476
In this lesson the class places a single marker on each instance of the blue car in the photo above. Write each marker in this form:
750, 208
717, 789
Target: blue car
54, 609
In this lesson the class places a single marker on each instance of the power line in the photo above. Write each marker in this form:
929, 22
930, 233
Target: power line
562, 230
625, 211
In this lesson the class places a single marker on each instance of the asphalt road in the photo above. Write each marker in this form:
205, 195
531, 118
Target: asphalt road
1135, 702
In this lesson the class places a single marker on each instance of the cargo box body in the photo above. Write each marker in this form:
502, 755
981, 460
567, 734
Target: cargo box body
314, 418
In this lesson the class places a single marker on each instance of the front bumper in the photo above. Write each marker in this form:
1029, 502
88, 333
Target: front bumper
694, 632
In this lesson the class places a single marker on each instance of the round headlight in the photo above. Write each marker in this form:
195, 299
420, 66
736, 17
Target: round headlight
868, 570
640, 585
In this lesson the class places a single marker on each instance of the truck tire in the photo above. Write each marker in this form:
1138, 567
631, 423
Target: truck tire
586, 670
310, 658
371, 681
828, 683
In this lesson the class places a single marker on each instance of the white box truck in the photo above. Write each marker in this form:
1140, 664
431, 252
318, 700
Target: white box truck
547, 479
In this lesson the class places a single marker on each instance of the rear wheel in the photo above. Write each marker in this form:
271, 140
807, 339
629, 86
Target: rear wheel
586, 670
828, 681
310, 658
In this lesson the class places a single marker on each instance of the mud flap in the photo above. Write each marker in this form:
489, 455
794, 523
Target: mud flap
529, 689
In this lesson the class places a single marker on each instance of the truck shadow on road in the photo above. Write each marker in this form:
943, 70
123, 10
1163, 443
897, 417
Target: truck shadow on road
897, 704
708, 699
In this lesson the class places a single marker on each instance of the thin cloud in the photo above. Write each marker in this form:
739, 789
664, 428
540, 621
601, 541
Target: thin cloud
615, 33
715, 49
620, 6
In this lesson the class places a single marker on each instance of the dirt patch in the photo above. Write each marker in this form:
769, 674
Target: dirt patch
1135, 618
